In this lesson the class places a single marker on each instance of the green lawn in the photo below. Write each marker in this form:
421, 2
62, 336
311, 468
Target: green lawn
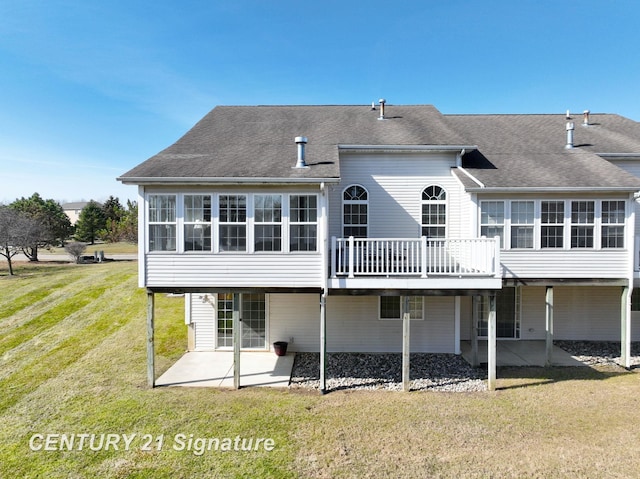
108, 248
72, 349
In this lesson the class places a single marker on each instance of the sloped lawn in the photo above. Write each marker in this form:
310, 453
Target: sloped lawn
72, 361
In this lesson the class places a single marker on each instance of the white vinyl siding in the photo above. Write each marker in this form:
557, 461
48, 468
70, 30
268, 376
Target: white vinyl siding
234, 270
394, 183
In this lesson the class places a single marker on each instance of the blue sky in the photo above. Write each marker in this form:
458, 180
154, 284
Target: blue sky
91, 88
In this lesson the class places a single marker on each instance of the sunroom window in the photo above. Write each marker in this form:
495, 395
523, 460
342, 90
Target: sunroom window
613, 224
162, 222
303, 222
267, 211
492, 219
197, 222
582, 224
522, 216
233, 222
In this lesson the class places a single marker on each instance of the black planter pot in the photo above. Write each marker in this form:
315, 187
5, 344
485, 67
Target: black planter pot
280, 348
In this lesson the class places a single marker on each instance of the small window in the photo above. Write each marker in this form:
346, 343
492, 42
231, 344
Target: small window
613, 224
355, 204
391, 307
162, 223
303, 222
434, 212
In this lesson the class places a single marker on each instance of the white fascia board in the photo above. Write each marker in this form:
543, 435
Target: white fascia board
554, 189
222, 181
409, 147
620, 156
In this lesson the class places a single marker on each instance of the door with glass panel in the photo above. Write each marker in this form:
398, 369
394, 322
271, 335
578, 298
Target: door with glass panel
253, 322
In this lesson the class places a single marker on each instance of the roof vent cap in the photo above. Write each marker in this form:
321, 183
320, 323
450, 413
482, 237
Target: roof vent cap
382, 101
301, 141
570, 128
585, 120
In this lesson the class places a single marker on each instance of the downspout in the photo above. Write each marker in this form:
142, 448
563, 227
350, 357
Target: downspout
325, 289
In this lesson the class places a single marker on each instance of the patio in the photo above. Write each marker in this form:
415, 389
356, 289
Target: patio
257, 368
520, 353
215, 369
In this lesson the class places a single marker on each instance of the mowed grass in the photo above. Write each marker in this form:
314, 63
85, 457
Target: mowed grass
73, 362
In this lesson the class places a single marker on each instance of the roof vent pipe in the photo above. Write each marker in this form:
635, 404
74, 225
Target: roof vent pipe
570, 128
382, 102
301, 141
585, 121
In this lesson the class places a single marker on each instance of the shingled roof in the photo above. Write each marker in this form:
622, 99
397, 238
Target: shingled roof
244, 142
256, 143
528, 151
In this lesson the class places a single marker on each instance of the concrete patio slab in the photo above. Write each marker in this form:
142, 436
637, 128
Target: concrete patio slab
520, 353
215, 369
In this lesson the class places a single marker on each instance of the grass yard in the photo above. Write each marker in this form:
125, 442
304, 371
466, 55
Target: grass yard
72, 352
108, 248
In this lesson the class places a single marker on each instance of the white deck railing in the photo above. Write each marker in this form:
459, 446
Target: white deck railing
422, 257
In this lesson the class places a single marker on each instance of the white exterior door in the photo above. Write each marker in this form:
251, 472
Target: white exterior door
253, 321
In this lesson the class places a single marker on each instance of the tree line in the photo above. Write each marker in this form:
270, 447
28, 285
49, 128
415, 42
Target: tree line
30, 224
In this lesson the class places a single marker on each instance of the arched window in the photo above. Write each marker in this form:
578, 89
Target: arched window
434, 212
355, 212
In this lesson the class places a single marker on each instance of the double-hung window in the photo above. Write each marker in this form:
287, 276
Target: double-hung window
582, 224
233, 222
492, 219
197, 222
522, 217
303, 222
434, 212
355, 205
391, 307
612, 217
552, 224
162, 222
267, 219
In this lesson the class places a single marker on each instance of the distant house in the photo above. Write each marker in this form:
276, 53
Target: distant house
338, 226
72, 210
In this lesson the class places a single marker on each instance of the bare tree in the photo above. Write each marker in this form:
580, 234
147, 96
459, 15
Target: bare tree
17, 232
75, 250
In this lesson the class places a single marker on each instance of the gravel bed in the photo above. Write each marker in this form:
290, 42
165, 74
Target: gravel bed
434, 372
599, 352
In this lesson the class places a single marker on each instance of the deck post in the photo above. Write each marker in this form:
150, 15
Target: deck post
625, 328
549, 325
237, 337
456, 325
406, 344
475, 315
323, 343
151, 373
491, 344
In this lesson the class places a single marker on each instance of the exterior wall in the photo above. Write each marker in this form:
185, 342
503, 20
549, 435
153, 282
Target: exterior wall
587, 313
234, 270
395, 183
230, 269
565, 262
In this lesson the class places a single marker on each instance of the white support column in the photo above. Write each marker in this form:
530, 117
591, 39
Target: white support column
491, 344
475, 316
237, 338
549, 325
456, 325
323, 343
151, 373
625, 327
406, 344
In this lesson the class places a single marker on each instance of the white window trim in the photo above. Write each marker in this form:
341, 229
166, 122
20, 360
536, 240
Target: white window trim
444, 202
354, 202
380, 318
175, 223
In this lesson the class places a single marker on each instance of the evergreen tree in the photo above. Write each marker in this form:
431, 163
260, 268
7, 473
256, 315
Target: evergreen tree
91, 221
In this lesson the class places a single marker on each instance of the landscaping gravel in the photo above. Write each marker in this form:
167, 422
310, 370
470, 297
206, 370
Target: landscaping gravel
599, 352
431, 372
436, 372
